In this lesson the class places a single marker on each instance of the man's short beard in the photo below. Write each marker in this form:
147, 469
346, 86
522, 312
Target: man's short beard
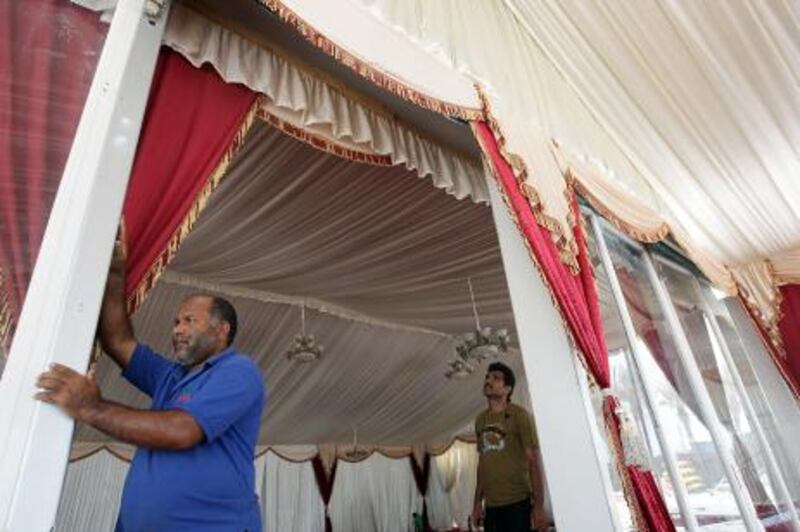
196, 352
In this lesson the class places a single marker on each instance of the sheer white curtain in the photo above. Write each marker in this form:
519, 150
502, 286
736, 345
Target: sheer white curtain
451, 488
290, 497
90, 500
374, 495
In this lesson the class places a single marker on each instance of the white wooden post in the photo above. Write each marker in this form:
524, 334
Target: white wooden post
576, 476
59, 317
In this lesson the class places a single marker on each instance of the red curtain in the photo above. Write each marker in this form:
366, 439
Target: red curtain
789, 327
576, 293
576, 296
193, 122
788, 361
421, 479
325, 485
48, 53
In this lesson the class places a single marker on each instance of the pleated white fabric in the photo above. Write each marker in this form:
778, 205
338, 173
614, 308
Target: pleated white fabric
451, 488
91, 496
375, 495
692, 108
310, 102
290, 497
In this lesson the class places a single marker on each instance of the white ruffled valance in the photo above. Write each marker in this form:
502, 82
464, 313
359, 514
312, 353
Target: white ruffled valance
311, 101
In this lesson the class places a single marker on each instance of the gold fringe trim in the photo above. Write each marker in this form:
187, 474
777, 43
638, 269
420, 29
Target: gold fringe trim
752, 313
214, 179
6, 318
436, 452
321, 143
650, 237
566, 245
367, 71
770, 325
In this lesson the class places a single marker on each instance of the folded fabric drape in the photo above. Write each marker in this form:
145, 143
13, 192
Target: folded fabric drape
325, 480
320, 105
575, 295
574, 292
421, 479
194, 123
789, 326
41, 99
641, 482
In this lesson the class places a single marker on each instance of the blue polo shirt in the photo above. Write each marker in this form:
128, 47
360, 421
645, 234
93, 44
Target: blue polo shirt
210, 487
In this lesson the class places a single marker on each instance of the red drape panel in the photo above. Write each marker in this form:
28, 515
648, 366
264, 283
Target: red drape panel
193, 118
642, 483
576, 296
325, 485
790, 330
791, 377
421, 479
48, 53
575, 293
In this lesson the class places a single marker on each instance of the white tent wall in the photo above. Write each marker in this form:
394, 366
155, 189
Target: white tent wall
377, 494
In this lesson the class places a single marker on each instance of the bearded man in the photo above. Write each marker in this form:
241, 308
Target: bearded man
193, 469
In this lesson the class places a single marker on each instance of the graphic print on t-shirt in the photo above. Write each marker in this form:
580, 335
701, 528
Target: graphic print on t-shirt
492, 438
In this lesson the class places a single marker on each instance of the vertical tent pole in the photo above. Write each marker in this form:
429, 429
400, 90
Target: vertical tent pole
580, 496
58, 320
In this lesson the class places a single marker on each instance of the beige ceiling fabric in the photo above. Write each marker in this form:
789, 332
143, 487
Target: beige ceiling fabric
703, 97
526, 98
344, 32
297, 95
379, 259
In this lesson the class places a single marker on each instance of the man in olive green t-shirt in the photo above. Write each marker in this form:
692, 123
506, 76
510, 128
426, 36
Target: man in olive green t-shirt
508, 463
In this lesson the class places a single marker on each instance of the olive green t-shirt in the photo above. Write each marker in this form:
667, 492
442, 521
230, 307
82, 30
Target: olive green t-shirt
503, 468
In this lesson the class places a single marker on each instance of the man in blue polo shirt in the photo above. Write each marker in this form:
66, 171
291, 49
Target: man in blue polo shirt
193, 470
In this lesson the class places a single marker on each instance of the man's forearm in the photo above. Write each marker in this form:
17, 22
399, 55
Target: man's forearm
536, 480
167, 429
116, 332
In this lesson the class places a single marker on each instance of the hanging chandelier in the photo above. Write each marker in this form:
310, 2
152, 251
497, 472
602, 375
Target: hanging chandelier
475, 347
304, 347
458, 369
356, 453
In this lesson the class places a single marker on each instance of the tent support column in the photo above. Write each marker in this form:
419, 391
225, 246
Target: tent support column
58, 321
577, 478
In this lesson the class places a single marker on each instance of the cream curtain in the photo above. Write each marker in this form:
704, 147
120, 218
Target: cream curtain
290, 497
376, 495
316, 103
91, 496
451, 488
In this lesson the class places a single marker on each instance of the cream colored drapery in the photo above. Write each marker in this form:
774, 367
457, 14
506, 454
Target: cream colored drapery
319, 105
375, 494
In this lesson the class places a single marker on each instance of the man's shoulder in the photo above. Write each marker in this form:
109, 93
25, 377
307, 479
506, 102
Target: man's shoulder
241, 364
515, 409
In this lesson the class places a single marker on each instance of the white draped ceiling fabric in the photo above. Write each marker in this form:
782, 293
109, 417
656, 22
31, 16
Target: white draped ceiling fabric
677, 118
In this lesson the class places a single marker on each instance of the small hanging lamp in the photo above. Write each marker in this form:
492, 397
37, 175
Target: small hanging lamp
304, 347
